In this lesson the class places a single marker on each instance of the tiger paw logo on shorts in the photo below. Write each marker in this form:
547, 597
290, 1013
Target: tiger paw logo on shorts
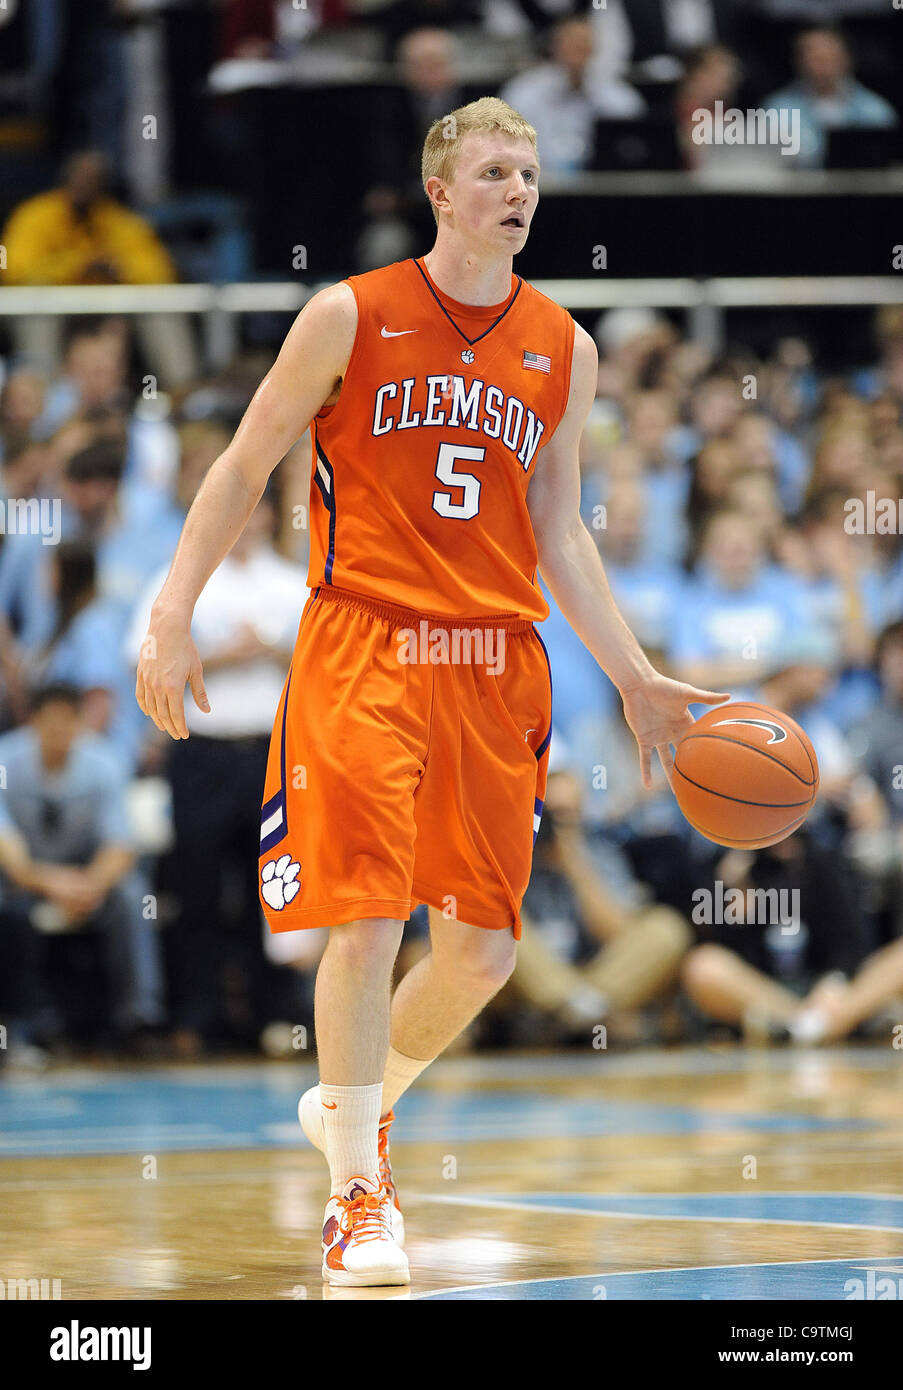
278, 881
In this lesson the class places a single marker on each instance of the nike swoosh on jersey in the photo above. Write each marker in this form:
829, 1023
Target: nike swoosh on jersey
386, 332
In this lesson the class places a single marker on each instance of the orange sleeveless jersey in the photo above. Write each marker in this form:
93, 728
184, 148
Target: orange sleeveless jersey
420, 470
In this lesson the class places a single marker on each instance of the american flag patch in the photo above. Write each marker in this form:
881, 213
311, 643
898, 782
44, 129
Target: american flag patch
535, 361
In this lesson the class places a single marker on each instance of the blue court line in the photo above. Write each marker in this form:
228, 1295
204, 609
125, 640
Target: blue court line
873, 1278
852, 1211
255, 1108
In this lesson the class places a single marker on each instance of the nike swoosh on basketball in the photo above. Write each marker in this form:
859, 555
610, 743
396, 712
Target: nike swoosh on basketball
778, 734
386, 332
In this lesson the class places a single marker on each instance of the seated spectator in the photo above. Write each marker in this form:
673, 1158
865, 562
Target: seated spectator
754, 492
562, 99
646, 823
893, 586
876, 743
827, 95
82, 650
402, 16
21, 403
800, 683
665, 36
580, 688
887, 376
67, 864
78, 235
789, 387
632, 344
244, 625
712, 472
734, 614
430, 86
835, 603
680, 367
763, 444
126, 553
879, 738
594, 949
646, 587
844, 589
200, 442
887, 436
712, 74
843, 453
649, 433
24, 470
603, 467
651, 419
715, 408
92, 377
809, 979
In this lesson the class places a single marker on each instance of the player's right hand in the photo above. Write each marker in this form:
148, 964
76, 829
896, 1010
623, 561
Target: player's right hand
169, 659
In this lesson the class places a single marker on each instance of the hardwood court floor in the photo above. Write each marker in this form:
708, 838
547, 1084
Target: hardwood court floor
688, 1173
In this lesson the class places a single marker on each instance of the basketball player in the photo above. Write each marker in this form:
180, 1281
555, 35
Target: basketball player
446, 399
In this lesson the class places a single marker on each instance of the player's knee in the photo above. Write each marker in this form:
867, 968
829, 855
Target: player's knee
370, 943
491, 965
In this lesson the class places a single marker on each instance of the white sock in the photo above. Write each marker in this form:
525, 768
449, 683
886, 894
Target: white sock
350, 1128
809, 1026
400, 1072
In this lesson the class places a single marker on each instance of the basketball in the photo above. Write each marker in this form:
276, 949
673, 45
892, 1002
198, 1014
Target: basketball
745, 775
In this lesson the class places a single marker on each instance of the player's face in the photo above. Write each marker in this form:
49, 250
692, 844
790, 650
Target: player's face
494, 191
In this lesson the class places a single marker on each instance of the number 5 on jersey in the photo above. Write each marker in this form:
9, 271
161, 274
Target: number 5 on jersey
446, 473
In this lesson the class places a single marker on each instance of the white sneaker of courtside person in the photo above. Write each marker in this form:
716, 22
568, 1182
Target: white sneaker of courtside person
310, 1114
359, 1249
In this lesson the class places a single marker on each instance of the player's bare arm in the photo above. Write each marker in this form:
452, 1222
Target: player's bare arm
654, 706
306, 376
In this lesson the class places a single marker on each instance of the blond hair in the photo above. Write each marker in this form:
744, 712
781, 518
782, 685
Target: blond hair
442, 145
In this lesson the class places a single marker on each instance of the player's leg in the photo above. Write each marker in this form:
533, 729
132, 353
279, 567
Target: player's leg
352, 1022
476, 811
434, 1002
337, 851
442, 993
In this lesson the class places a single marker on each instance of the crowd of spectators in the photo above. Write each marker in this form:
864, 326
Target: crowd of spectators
176, 96
720, 495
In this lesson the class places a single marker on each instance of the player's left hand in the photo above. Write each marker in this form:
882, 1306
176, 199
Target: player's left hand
657, 713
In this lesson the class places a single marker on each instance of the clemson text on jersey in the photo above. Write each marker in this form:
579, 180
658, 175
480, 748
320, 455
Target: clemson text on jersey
471, 404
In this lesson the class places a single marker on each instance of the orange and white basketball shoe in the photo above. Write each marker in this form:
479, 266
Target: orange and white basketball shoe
385, 1177
310, 1115
359, 1249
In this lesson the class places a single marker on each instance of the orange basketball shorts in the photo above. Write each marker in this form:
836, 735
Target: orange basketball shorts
407, 765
